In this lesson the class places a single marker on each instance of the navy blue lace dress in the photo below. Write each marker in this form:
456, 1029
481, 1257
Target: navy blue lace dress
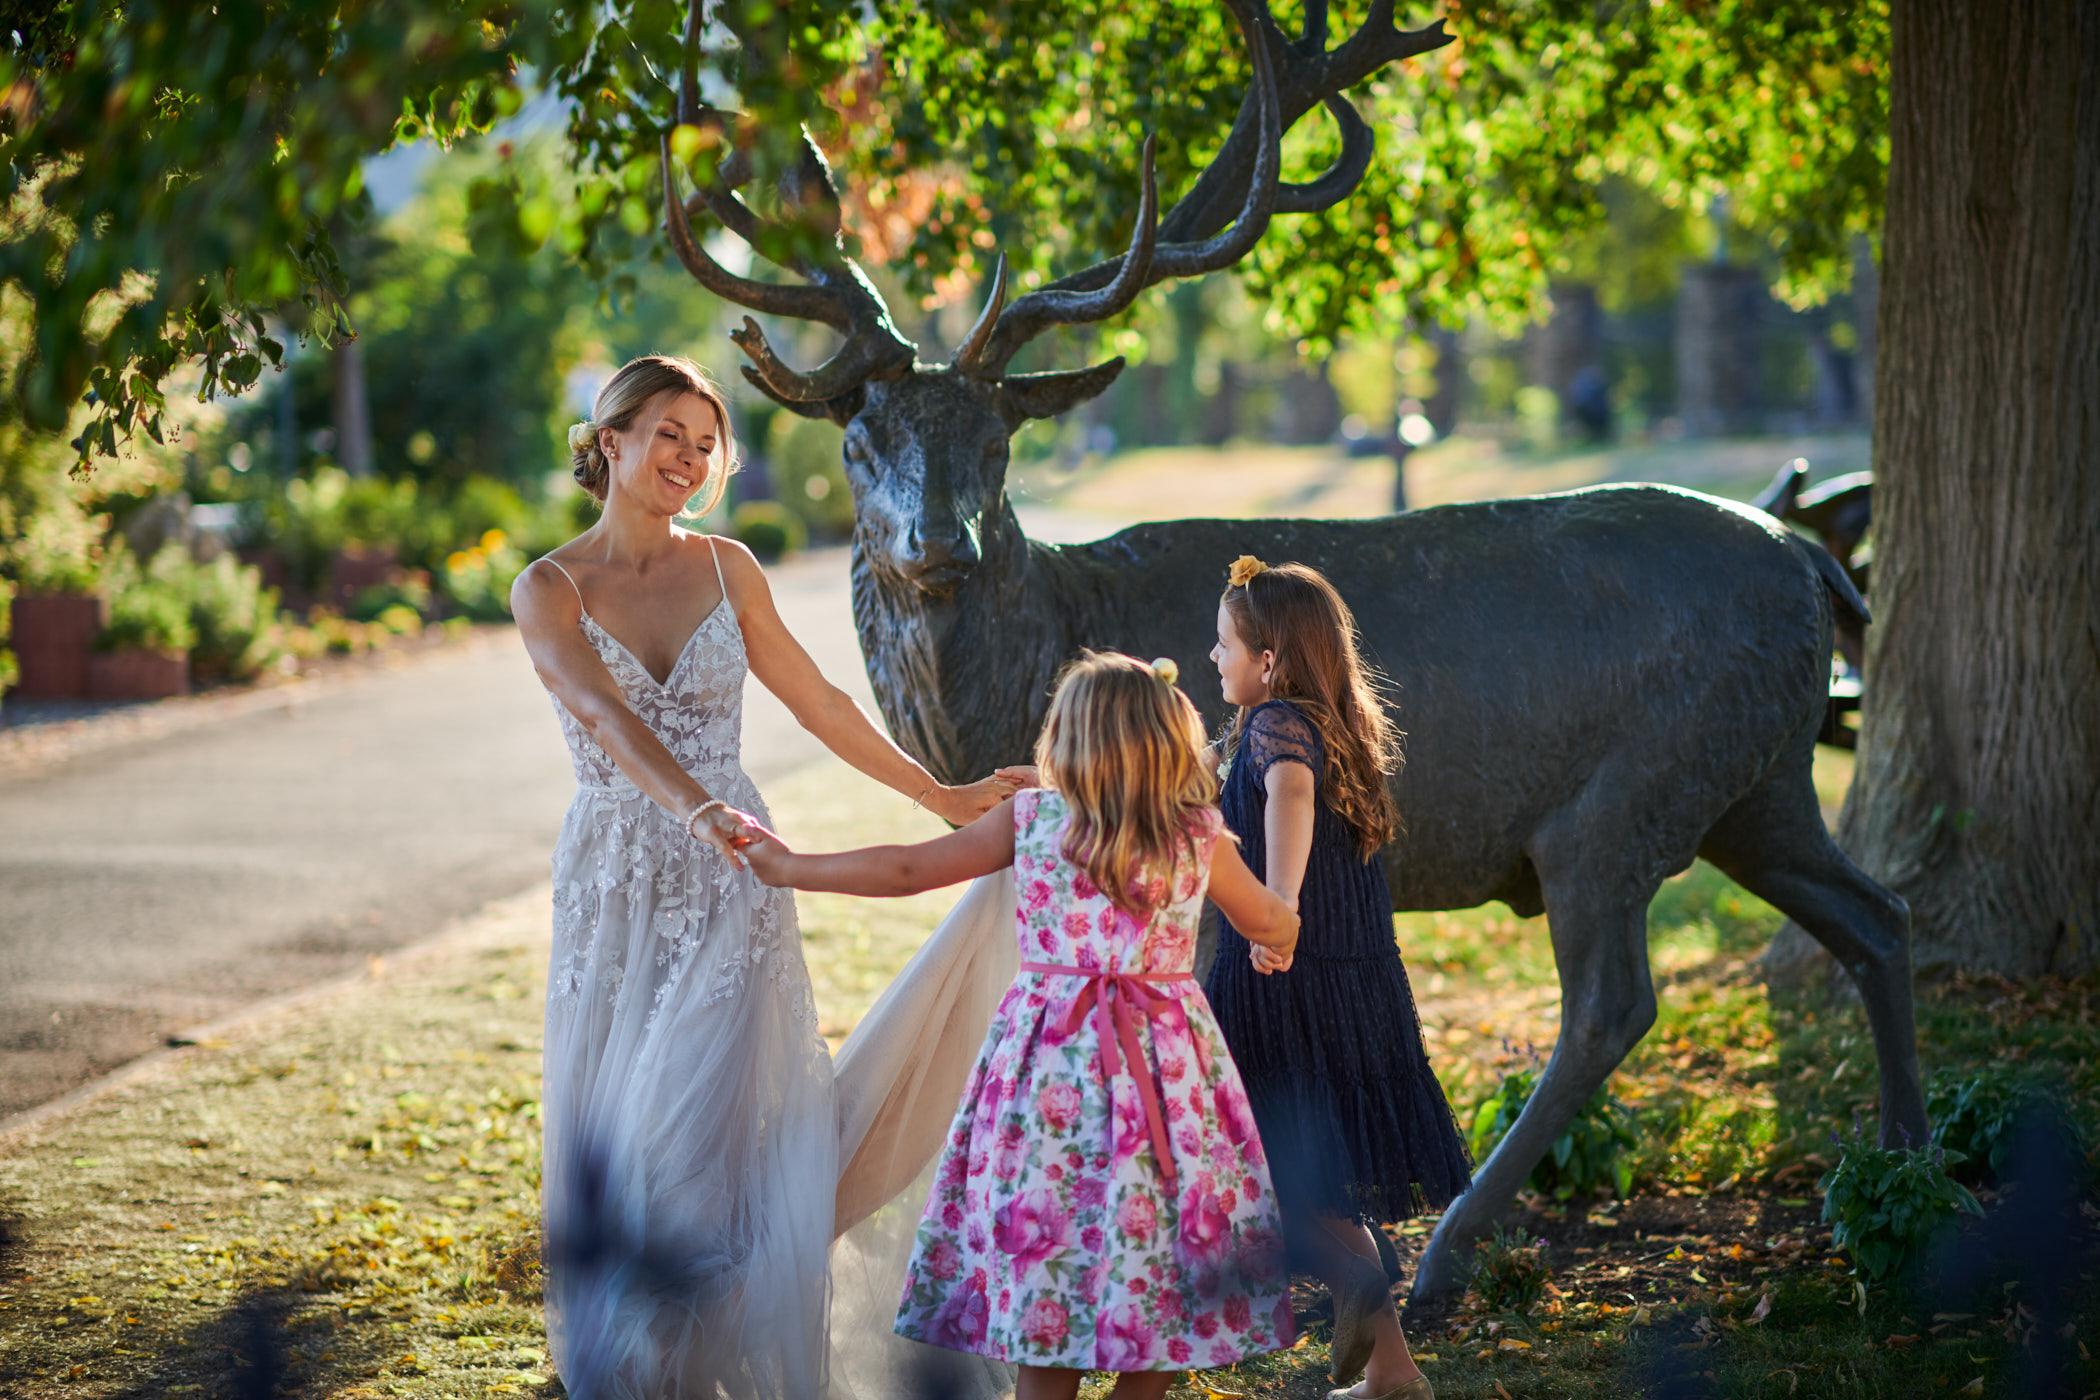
1352, 1117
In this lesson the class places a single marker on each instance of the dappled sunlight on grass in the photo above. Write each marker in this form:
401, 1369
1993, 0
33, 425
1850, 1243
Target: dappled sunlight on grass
365, 1174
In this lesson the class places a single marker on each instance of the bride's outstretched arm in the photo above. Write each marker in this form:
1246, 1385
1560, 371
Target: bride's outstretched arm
784, 668
548, 611
980, 848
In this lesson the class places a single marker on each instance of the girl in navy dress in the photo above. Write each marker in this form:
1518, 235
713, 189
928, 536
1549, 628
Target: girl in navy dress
1356, 1126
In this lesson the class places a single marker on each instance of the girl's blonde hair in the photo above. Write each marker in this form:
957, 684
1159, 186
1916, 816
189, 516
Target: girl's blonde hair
1294, 613
1124, 747
621, 401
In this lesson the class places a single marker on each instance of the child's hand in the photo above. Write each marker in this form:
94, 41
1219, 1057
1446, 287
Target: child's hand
768, 856
1021, 775
1268, 960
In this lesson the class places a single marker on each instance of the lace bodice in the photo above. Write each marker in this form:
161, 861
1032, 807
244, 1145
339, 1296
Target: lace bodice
623, 858
697, 710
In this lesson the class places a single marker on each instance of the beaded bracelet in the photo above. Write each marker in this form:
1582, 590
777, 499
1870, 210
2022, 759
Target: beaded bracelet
700, 811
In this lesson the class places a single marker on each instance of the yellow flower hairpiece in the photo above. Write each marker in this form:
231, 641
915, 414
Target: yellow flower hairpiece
1166, 669
1243, 568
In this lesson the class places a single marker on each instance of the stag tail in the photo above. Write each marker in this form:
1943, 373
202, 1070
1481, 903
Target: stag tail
1843, 595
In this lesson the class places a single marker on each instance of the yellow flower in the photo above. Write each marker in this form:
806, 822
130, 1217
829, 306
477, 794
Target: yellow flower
492, 540
1244, 568
1166, 669
456, 560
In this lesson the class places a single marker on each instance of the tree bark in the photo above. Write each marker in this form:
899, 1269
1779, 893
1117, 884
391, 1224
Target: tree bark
1977, 795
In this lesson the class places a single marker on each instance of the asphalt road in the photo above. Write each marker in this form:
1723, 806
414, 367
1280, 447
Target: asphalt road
156, 883
151, 887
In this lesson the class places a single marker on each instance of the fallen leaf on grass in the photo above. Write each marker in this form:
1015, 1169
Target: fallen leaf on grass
1762, 1311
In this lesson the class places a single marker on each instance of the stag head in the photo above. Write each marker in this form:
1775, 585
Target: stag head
926, 446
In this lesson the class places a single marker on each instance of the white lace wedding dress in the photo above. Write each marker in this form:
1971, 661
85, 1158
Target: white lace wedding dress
694, 1133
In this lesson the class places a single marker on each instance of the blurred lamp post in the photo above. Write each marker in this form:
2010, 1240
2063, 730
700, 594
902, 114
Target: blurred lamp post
1411, 429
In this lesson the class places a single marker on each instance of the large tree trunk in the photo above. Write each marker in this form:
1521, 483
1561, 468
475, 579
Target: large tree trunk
1977, 796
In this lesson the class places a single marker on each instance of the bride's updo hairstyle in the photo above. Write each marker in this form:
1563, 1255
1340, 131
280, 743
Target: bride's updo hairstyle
622, 400
1124, 747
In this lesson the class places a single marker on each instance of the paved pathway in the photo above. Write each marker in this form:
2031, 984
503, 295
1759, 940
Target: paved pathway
151, 885
166, 874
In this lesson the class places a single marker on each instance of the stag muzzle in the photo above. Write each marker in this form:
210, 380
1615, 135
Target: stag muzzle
937, 561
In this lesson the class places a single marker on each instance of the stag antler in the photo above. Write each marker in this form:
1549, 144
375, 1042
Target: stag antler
1221, 216
836, 292
1289, 79
1003, 330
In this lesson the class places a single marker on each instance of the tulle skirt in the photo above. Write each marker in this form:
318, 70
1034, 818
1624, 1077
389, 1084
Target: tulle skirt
702, 1153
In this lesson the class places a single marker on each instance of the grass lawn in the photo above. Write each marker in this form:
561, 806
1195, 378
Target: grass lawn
1260, 480
346, 1191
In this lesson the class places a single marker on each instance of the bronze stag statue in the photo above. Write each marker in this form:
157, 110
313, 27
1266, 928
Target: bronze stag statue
1598, 686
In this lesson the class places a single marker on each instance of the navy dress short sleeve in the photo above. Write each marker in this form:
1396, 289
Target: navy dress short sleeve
1278, 733
1351, 1115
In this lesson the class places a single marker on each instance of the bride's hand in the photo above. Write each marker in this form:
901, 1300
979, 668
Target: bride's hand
962, 805
724, 828
1021, 775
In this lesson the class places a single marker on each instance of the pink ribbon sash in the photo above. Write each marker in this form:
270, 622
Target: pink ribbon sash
1118, 1001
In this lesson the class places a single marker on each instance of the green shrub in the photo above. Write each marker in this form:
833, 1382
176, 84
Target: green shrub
1887, 1205
1975, 1117
233, 615
476, 580
400, 619
411, 590
317, 517
10, 669
59, 552
802, 460
482, 503
329, 631
1594, 1153
148, 614
1510, 1273
767, 529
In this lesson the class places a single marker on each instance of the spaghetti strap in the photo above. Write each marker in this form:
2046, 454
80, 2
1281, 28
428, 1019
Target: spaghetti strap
715, 552
570, 577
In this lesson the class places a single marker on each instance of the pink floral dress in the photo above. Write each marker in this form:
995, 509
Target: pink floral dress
1103, 1202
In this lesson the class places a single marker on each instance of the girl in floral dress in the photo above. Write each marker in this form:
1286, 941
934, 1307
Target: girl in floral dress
1103, 1202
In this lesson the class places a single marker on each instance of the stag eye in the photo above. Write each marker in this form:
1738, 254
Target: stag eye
856, 452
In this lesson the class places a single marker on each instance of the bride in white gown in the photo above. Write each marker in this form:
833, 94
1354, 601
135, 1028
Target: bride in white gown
700, 1157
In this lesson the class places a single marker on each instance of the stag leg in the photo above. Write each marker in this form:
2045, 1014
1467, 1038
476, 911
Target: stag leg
1607, 1003
1774, 844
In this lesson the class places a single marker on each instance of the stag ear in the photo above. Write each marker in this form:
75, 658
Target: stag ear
1045, 395
839, 410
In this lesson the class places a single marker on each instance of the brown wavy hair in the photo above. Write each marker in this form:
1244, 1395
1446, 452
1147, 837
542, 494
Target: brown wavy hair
622, 399
1294, 613
1124, 747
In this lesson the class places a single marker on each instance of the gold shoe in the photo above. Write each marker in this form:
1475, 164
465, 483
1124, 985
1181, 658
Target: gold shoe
1356, 1313
1416, 1389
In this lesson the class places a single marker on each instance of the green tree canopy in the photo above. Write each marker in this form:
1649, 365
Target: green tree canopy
201, 162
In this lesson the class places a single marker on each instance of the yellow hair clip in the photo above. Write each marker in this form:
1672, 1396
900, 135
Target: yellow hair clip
1165, 668
1243, 568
